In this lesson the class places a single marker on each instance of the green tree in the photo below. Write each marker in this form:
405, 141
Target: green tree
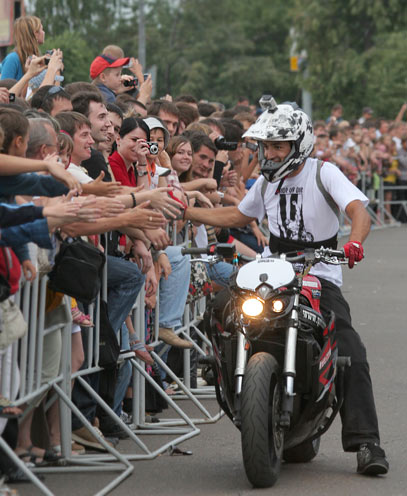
220, 49
343, 42
77, 56
94, 20
387, 81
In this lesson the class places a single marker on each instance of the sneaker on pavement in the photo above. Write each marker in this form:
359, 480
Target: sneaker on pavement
372, 460
87, 439
116, 431
127, 418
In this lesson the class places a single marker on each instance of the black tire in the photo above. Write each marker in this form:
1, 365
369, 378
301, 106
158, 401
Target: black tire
262, 437
302, 453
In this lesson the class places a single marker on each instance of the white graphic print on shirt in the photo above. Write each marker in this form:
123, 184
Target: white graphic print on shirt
291, 214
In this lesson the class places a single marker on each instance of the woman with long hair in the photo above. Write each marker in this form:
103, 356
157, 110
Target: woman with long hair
28, 35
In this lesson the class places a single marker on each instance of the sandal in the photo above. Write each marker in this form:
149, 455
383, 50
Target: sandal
8, 410
80, 318
49, 458
76, 449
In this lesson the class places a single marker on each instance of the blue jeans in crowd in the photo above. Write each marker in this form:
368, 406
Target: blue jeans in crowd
173, 295
124, 281
124, 373
249, 239
220, 272
174, 290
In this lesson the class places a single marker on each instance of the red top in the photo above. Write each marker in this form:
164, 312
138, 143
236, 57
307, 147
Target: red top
119, 169
7, 256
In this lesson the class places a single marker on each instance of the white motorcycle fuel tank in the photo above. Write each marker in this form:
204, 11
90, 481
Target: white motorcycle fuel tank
272, 271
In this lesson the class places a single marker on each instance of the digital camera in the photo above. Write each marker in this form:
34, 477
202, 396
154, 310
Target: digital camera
48, 52
153, 147
130, 83
222, 144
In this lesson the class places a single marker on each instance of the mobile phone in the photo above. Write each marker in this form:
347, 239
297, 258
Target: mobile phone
251, 146
11, 97
145, 75
217, 171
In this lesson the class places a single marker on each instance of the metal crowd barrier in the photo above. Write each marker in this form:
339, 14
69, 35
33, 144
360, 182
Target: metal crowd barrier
27, 354
380, 215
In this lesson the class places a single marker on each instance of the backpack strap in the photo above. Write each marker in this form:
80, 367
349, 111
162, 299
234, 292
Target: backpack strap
328, 198
263, 189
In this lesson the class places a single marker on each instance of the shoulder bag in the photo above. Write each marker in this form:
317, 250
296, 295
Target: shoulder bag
78, 270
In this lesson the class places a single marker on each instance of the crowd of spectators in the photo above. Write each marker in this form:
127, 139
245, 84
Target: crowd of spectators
102, 156
368, 149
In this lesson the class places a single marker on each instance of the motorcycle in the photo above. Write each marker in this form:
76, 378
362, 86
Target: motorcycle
278, 375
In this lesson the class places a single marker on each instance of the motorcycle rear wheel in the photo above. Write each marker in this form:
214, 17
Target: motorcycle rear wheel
262, 436
302, 453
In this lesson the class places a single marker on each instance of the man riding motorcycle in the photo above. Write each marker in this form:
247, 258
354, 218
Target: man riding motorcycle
302, 198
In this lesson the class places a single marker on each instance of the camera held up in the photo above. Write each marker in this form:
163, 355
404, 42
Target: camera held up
131, 83
153, 147
222, 144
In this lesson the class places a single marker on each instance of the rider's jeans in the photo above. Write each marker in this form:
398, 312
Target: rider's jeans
358, 413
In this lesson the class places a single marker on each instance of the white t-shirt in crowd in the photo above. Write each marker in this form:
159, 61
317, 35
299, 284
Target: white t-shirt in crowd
300, 212
79, 173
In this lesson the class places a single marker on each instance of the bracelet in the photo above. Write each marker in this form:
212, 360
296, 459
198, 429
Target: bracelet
133, 197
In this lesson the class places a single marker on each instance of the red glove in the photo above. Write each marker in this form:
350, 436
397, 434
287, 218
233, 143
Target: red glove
353, 252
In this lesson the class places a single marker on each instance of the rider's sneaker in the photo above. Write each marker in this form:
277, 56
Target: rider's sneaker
372, 460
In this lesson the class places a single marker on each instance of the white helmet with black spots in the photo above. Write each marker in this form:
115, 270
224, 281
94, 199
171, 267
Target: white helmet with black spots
284, 122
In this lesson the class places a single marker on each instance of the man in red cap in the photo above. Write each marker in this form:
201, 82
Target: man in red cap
106, 73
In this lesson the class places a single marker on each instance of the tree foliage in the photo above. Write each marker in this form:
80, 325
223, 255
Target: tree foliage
356, 49
221, 49
77, 56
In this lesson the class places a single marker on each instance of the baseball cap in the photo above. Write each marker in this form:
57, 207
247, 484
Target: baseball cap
103, 62
367, 110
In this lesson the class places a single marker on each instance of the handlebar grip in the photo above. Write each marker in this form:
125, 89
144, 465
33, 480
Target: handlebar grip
196, 250
338, 253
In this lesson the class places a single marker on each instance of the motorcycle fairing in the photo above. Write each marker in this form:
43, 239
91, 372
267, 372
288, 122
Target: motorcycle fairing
272, 271
311, 289
327, 359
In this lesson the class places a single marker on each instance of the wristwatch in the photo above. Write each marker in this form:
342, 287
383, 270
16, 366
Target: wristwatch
141, 173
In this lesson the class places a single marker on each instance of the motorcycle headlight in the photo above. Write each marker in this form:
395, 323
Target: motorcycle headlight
277, 305
252, 307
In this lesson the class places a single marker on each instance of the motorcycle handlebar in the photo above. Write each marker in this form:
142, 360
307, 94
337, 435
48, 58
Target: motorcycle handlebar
320, 253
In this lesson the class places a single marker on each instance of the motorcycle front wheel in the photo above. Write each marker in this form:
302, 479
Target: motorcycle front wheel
262, 436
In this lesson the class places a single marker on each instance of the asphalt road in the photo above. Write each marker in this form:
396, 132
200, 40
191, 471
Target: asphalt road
376, 291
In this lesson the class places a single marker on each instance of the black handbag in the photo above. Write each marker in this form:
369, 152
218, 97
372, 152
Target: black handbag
78, 270
5, 288
109, 348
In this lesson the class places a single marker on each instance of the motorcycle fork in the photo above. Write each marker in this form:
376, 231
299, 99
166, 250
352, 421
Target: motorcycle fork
241, 359
289, 371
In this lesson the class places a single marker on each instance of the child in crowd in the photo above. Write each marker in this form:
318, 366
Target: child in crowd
65, 147
106, 73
